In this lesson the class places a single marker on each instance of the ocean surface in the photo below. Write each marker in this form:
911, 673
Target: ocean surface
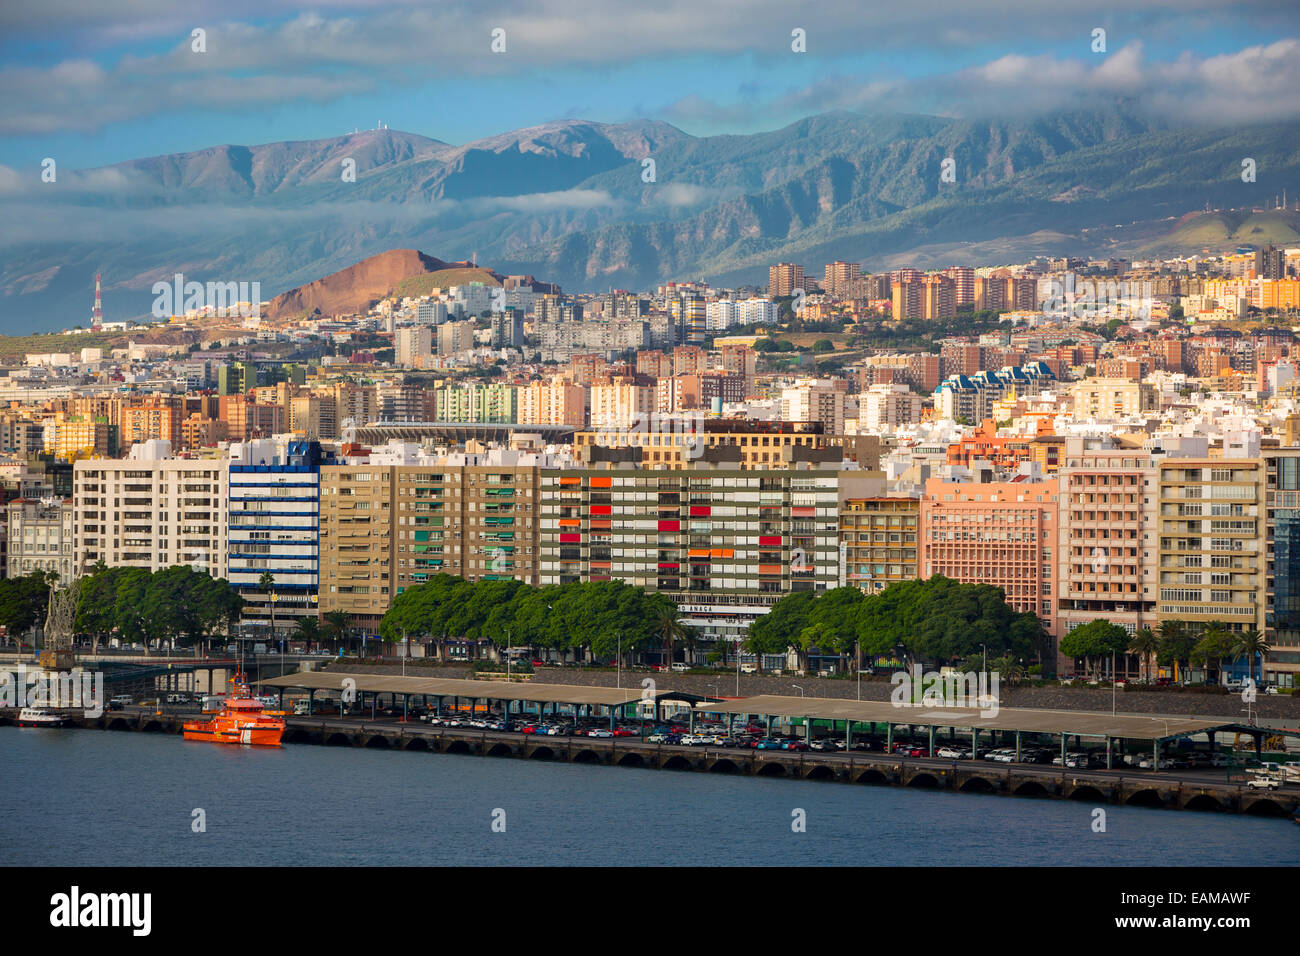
91, 798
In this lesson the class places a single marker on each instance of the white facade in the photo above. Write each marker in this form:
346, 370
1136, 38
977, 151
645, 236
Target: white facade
151, 511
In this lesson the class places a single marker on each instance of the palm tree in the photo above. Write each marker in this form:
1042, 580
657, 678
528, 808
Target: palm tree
667, 626
1248, 645
1145, 644
308, 631
334, 625
267, 583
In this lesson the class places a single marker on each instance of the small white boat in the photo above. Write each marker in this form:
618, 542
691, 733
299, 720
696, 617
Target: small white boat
36, 717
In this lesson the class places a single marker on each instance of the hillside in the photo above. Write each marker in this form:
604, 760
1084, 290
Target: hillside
566, 201
356, 288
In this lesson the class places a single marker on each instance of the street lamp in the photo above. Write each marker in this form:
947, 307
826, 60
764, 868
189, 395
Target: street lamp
798, 688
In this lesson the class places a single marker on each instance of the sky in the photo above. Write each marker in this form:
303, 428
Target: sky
94, 87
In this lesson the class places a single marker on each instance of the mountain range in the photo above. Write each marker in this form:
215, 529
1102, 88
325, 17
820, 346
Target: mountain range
575, 202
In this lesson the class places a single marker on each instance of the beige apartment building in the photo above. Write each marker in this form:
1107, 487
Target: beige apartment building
1212, 542
878, 541
1111, 398
557, 402
1109, 524
684, 441
385, 528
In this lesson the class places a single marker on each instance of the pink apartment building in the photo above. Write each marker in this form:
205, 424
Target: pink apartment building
1003, 533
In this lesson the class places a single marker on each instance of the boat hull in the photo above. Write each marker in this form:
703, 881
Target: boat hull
253, 736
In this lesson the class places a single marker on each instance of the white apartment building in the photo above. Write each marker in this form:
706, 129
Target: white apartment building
40, 538
151, 511
885, 406
621, 405
816, 401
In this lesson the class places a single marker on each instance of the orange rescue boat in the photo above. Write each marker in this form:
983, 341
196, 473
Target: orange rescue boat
241, 720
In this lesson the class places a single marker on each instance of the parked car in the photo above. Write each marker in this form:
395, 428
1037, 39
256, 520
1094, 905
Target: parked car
600, 733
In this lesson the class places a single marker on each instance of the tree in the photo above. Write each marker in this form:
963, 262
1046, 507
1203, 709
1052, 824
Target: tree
24, 601
778, 630
823, 345
1095, 641
334, 627
307, 630
1145, 644
1176, 644
1249, 644
667, 625
1216, 643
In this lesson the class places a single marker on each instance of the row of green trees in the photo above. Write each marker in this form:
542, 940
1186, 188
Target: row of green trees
24, 602
1173, 644
176, 605
939, 621
587, 618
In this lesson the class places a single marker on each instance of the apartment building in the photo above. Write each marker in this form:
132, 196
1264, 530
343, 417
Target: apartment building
1108, 399
878, 541
357, 544
386, 527
725, 544
817, 401
1282, 570
40, 538
886, 406
1211, 542
784, 277
151, 510
684, 441
1109, 525
999, 533
557, 402
273, 521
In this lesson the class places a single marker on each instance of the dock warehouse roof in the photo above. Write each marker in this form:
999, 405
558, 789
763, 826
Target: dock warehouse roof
1029, 720
450, 687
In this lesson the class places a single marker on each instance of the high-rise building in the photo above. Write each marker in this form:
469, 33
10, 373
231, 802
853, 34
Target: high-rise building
413, 345
1211, 542
273, 519
151, 510
963, 278
878, 541
1282, 551
1109, 524
818, 401
784, 277
998, 533
840, 278
725, 544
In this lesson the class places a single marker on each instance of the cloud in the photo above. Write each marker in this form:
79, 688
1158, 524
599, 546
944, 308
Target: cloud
264, 52
1254, 84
